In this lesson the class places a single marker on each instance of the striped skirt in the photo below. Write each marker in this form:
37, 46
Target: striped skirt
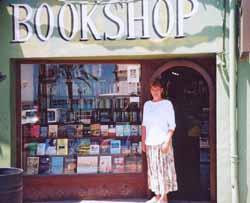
161, 170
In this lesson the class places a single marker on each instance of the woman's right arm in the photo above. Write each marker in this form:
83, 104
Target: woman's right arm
143, 129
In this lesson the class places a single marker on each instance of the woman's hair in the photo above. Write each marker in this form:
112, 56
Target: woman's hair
156, 82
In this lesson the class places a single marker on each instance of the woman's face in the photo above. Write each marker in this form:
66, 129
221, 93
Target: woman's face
156, 92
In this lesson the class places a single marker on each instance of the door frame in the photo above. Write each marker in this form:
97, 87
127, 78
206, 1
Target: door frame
212, 113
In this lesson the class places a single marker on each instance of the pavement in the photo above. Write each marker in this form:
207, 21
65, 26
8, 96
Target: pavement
120, 201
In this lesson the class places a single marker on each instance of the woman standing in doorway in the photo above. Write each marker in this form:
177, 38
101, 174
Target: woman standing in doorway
158, 127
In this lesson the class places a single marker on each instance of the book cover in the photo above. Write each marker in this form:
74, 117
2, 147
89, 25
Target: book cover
52, 131
70, 165
87, 164
140, 148
130, 164
139, 130
105, 164
62, 147
40, 151
119, 130
72, 147
134, 147
111, 130
105, 146
104, 130
134, 130
118, 164
79, 131
32, 165
61, 131
125, 147
35, 131
95, 129
94, 148
115, 146
50, 148
70, 131
83, 146
126, 130
44, 131
44, 165
31, 147
56, 165
86, 130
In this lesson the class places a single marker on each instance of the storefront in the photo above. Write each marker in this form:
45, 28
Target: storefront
77, 79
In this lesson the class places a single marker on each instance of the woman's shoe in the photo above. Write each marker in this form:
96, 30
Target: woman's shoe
152, 200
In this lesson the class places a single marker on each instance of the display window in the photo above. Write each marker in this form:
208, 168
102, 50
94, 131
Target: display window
80, 118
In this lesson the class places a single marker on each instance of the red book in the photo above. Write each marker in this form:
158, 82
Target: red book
35, 131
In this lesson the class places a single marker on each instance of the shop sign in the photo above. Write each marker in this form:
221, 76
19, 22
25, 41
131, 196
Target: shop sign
83, 20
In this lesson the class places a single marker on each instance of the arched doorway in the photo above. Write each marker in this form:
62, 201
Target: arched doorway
192, 92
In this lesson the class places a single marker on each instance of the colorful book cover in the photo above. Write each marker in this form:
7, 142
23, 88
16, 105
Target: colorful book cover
52, 131
134, 130
35, 131
134, 147
94, 148
95, 129
61, 131
105, 164
105, 146
118, 164
32, 165
83, 146
44, 131
50, 148
86, 130
62, 147
72, 147
40, 151
130, 164
115, 146
44, 165
125, 147
111, 130
126, 130
31, 147
70, 165
56, 165
87, 164
104, 130
119, 130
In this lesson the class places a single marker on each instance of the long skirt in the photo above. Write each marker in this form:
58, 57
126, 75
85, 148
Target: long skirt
161, 170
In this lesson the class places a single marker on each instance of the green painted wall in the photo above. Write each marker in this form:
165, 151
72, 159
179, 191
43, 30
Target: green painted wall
243, 101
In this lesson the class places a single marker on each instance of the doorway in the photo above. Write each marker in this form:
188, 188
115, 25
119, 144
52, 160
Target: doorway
192, 94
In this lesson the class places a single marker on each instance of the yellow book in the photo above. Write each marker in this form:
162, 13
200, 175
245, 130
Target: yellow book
62, 147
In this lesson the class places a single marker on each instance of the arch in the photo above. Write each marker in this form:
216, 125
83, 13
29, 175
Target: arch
212, 114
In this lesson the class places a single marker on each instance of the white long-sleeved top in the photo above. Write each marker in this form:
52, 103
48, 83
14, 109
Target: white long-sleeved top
158, 118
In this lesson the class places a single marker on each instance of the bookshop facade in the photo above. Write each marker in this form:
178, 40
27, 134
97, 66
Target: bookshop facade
77, 78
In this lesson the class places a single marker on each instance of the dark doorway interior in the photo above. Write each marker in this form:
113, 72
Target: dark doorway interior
188, 92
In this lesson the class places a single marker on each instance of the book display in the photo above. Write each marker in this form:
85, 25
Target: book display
85, 123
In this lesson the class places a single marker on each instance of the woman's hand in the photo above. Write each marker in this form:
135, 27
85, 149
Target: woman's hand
165, 147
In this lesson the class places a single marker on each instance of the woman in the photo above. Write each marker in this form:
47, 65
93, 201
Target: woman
158, 127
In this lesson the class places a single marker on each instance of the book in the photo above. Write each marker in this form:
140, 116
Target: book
95, 129
50, 148
87, 164
134, 130
118, 164
94, 148
40, 149
115, 146
130, 164
32, 165
125, 147
126, 130
35, 131
56, 165
31, 147
79, 131
72, 147
119, 130
105, 164
134, 147
44, 131
111, 130
105, 146
104, 130
86, 130
44, 165
83, 146
62, 147
70, 165
52, 131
